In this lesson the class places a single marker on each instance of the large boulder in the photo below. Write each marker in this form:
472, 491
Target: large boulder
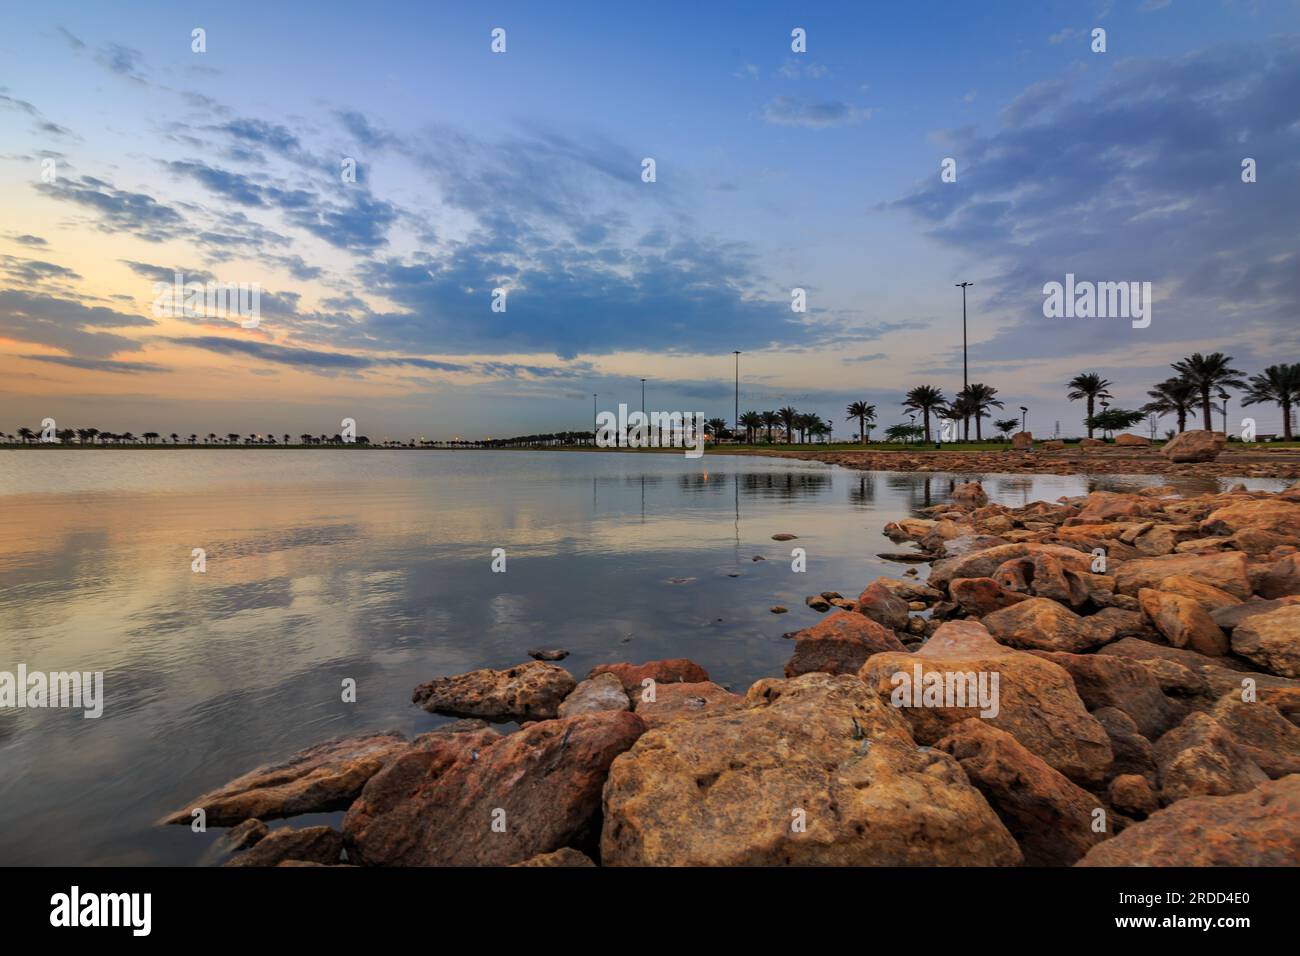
325, 777
1042, 624
1050, 817
985, 563
676, 701
1035, 699
1129, 440
1194, 445
1199, 758
1271, 740
1258, 828
839, 644
1229, 617
483, 799
531, 691
1271, 640
881, 605
1207, 596
1225, 570
1183, 622
674, 670
981, 596
320, 845
1103, 681
602, 692
1277, 515
970, 495
817, 770
1282, 579
1022, 441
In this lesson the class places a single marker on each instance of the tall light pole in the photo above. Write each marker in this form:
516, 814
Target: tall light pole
1223, 397
965, 378
642, 396
1024, 418
737, 411
594, 416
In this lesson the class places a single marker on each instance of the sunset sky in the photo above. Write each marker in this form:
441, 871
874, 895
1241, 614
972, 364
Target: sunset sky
522, 170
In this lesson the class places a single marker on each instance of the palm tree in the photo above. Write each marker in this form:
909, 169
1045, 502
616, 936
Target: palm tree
1207, 372
93, 433
861, 411
752, 421
924, 399
211, 437
979, 398
25, 434
716, 426
306, 439
1006, 426
232, 438
1172, 396
787, 416
959, 410
194, 439
286, 438
769, 421
1091, 386
802, 423
1279, 384
175, 438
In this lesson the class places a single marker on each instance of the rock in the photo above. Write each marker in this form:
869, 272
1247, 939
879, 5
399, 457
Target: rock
985, 563
1258, 828
911, 590
1261, 541
673, 701
566, 856
531, 691
970, 494
321, 845
1022, 441
1228, 618
816, 770
325, 777
1132, 795
602, 692
1194, 445
1044, 576
1282, 579
1041, 624
785, 537
981, 596
1133, 752
879, 604
1276, 515
1225, 570
1054, 444
1129, 440
1207, 596
1036, 700
1218, 675
244, 835
1091, 443
1270, 740
1183, 622
1049, 817
674, 670
548, 654
817, 603
1125, 685
778, 609
1198, 758
840, 644
436, 804
1271, 640
1102, 506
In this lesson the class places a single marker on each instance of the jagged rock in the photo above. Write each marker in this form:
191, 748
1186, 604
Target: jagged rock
816, 770
1271, 640
817, 603
1194, 445
675, 670
1225, 570
1133, 751
1258, 828
567, 856
1131, 794
1270, 514
1228, 618
321, 845
602, 692
882, 606
674, 701
1282, 579
327, 776
1199, 758
985, 563
1125, 685
1207, 596
1042, 624
1049, 816
971, 494
1183, 622
840, 644
1270, 740
1043, 575
981, 596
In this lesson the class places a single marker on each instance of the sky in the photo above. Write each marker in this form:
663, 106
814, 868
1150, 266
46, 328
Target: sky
128, 156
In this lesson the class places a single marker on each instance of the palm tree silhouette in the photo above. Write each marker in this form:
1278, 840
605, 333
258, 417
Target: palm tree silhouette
769, 421
925, 399
787, 416
861, 411
1207, 372
752, 421
1091, 386
1172, 396
979, 398
1280, 385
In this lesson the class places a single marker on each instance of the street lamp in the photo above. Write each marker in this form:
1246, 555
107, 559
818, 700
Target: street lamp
737, 409
965, 380
594, 417
1223, 397
1104, 406
1024, 417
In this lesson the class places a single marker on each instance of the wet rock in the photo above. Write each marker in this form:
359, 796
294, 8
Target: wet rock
981, 596
548, 654
602, 692
1270, 740
817, 603
1041, 624
879, 604
566, 856
322, 845
785, 537
674, 670
1183, 622
816, 770
531, 691
1036, 700
1258, 828
1199, 758
1271, 640
970, 494
1194, 445
674, 701
244, 835
1127, 686
1224, 570
840, 644
327, 776
1132, 795
437, 805
778, 609
1049, 816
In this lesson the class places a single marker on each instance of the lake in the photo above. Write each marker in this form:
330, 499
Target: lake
323, 565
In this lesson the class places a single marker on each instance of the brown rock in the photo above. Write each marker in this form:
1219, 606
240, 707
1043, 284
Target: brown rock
322, 845
437, 805
984, 563
1129, 440
1219, 675
327, 776
602, 692
673, 701
1270, 514
1133, 752
882, 606
1022, 441
1091, 443
1132, 795
981, 596
1271, 640
1194, 445
1259, 828
1225, 570
840, 644
1198, 758
1207, 596
816, 770
1229, 617
1037, 702
1042, 624
566, 856
1282, 579
1049, 817
1270, 740
676, 670
1183, 622
817, 603
548, 653
531, 691
1127, 686
970, 494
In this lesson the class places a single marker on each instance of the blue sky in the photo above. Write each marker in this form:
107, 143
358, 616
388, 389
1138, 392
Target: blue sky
522, 170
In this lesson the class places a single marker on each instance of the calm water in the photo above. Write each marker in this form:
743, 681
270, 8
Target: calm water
325, 565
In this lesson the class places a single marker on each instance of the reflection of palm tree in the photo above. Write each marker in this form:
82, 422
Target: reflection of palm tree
1091, 386
1280, 385
979, 398
861, 411
1172, 396
924, 399
1207, 372
769, 420
787, 416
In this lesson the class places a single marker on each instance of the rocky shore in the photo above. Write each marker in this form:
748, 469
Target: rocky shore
1108, 680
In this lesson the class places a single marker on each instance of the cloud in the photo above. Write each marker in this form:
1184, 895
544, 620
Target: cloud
122, 60
119, 210
793, 111
29, 240
66, 325
98, 365
1034, 100
31, 271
